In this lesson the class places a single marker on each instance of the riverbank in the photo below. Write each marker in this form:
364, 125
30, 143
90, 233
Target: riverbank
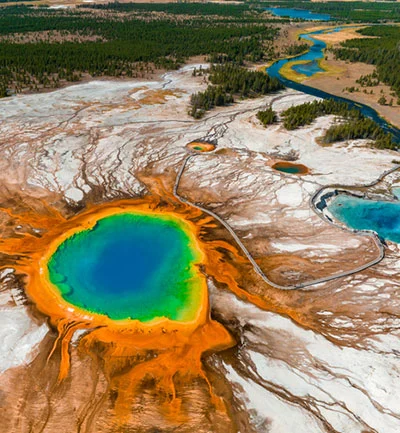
342, 76
312, 64
337, 86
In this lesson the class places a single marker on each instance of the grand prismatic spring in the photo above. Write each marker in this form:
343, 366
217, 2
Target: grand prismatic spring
130, 266
127, 275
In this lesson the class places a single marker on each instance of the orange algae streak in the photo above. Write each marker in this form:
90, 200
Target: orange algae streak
123, 346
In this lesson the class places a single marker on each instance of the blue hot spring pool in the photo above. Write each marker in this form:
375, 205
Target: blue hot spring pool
361, 214
130, 266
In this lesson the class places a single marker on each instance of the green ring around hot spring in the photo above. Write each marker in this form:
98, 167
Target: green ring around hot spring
131, 265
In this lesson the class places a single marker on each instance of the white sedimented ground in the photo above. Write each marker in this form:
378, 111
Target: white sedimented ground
341, 375
292, 379
19, 335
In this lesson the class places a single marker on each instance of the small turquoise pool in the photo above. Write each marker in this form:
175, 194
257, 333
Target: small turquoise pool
290, 168
360, 214
129, 266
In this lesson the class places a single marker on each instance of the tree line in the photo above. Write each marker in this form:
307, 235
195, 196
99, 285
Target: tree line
222, 10
128, 43
362, 128
267, 117
229, 81
353, 124
304, 114
381, 51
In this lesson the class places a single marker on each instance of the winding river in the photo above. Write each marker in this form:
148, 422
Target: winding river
311, 67
358, 213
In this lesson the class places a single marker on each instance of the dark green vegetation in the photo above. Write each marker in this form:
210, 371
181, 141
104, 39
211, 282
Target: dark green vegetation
381, 51
267, 117
354, 11
229, 80
236, 80
177, 8
123, 40
359, 128
304, 114
212, 97
354, 126
294, 49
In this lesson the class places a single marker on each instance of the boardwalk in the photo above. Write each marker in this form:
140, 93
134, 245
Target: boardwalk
256, 267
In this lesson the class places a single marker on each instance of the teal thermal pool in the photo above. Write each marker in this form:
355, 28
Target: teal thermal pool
130, 266
291, 168
380, 216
